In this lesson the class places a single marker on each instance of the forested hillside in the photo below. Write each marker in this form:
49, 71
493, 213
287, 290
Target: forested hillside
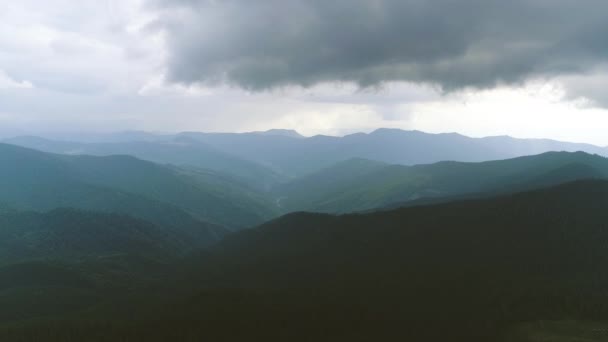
477, 270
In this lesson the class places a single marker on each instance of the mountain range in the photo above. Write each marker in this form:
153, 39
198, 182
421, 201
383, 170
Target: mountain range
230, 237
40, 181
119, 183
359, 184
474, 270
276, 155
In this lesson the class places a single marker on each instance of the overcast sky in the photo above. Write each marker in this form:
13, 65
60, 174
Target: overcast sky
526, 68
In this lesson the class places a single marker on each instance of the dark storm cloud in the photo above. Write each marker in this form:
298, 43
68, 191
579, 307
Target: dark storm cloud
454, 44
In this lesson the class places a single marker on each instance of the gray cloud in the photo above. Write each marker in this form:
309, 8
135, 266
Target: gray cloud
102, 65
453, 44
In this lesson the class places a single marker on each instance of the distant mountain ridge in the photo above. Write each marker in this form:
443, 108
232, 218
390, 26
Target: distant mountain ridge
284, 154
297, 157
181, 151
360, 185
348, 185
280, 132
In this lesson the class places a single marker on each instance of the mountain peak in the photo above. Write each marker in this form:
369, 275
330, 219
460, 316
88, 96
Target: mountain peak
399, 132
389, 130
282, 132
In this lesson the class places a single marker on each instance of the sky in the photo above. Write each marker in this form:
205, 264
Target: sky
525, 68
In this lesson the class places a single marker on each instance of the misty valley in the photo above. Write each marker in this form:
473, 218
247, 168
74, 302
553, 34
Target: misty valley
273, 236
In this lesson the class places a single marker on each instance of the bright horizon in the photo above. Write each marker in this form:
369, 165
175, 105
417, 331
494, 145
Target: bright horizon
157, 65
87, 135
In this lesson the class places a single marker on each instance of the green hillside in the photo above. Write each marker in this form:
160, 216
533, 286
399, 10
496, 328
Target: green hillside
359, 186
182, 152
72, 235
42, 181
488, 270
70, 260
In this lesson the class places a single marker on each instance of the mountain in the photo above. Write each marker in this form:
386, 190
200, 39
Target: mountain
67, 259
39, 289
518, 268
183, 152
462, 271
5, 209
313, 191
109, 137
300, 156
352, 185
358, 185
78, 235
40, 181
280, 132
569, 215
265, 159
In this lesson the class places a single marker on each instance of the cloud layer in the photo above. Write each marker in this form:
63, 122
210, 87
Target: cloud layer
453, 44
176, 65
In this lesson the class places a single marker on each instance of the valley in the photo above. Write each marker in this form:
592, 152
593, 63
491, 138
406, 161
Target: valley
514, 241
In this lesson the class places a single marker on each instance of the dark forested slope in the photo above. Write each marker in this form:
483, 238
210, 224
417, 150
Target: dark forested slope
474, 270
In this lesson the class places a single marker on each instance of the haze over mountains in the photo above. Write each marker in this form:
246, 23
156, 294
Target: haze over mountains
284, 154
212, 226
240, 180
42, 181
360, 184
130, 213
